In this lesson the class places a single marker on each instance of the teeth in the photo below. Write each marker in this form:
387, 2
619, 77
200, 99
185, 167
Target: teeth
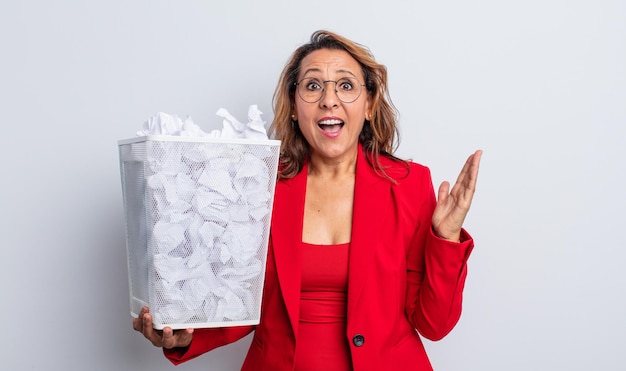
330, 122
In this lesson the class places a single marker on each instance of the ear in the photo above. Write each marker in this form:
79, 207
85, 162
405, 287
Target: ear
368, 110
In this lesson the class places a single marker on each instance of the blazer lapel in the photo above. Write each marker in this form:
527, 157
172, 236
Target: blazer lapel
371, 203
287, 238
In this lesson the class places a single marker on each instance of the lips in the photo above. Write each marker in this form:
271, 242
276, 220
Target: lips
330, 125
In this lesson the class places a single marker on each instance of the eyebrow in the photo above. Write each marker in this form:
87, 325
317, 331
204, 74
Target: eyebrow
319, 70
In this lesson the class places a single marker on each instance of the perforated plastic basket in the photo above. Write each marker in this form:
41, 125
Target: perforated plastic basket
198, 214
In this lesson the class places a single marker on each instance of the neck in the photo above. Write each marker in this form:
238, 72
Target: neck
332, 168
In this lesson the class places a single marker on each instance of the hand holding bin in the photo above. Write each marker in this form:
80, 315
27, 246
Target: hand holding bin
198, 213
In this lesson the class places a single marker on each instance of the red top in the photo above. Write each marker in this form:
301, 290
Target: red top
322, 343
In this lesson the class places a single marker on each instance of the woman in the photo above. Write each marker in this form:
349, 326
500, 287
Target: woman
361, 254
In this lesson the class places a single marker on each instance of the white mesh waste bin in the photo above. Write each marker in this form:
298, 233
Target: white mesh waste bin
198, 214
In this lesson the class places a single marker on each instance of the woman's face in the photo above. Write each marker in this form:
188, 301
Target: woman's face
331, 126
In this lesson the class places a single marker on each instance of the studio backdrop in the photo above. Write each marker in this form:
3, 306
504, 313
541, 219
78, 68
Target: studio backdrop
540, 86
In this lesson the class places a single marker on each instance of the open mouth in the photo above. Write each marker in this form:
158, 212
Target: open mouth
330, 126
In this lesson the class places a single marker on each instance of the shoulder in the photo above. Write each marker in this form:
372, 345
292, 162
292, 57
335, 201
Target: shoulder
411, 188
403, 171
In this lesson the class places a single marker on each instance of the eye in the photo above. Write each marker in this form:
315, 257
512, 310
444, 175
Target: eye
345, 85
312, 85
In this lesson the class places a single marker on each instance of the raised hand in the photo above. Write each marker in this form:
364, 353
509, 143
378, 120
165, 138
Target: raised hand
453, 205
166, 338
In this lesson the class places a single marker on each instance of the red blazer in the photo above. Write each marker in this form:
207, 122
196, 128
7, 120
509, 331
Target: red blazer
401, 277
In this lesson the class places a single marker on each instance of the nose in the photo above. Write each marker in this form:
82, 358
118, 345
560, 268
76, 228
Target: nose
329, 95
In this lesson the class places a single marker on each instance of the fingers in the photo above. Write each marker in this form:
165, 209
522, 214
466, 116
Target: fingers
474, 160
185, 337
138, 322
149, 332
176, 339
166, 338
143, 324
465, 185
469, 172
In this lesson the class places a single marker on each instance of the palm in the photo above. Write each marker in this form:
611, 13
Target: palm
453, 205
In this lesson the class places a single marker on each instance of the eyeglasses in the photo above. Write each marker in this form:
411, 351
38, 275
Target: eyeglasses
311, 90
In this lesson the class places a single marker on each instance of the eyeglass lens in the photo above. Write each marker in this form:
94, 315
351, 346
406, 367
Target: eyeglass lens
311, 89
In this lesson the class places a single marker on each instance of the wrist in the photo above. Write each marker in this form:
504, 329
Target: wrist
453, 237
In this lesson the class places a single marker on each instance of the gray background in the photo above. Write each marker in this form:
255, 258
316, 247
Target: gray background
540, 86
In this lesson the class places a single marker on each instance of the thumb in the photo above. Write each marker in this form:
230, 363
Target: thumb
442, 195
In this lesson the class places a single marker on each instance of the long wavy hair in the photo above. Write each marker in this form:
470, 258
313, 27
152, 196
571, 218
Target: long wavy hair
380, 134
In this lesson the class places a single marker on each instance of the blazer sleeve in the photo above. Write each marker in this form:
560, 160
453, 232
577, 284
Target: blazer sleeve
206, 339
436, 269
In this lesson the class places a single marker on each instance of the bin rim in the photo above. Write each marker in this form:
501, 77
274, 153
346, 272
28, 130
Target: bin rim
173, 138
